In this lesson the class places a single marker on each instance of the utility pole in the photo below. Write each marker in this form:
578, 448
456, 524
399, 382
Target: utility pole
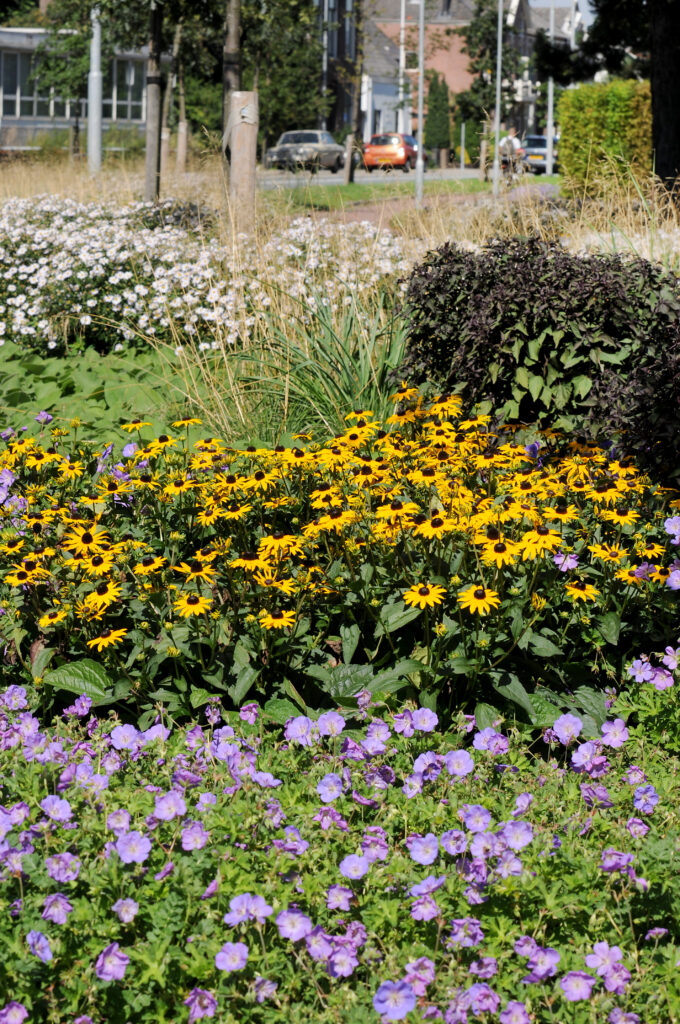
94, 97
420, 164
324, 62
551, 97
152, 166
497, 115
404, 125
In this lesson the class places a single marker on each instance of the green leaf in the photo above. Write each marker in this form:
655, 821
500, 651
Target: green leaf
394, 616
244, 682
581, 385
514, 691
41, 661
198, 697
593, 702
609, 626
542, 647
84, 676
350, 636
522, 377
280, 710
535, 384
486, 715
544, 711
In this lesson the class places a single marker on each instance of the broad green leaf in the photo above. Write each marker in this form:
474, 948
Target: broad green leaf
514, 691
486, 715
535, 384
84, 676
280, 710
394, 617
350, 636
522, 377
246, 679
609, 626
593, 702
198, 697
542, 647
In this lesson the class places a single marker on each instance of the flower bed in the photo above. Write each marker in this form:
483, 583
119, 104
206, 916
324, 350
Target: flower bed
350, 867
433, 556
115, 275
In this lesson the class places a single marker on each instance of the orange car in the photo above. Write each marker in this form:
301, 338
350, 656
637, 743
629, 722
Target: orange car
391, 150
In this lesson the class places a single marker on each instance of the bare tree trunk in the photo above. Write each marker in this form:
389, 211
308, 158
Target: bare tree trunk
152, 168
665, 83
231, 56
355, 117
182, 131
167, 100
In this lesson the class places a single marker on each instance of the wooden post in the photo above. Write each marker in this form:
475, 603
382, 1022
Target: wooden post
241, 137
182, 131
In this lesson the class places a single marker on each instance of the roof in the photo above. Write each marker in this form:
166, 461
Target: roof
540, 20
440, 11
381, 55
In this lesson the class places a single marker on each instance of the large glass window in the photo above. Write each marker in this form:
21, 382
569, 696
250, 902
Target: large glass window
9, 84
26, 86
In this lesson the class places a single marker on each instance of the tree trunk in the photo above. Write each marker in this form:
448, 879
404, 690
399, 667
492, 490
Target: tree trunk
152, 167
182, 130
231, 56
665, 83
355, 119
167, 100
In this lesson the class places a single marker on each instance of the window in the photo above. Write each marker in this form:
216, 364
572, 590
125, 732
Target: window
129, 77
9, 84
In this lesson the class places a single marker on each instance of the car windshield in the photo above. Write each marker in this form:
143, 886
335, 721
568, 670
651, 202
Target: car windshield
385, 140
296, 138
536, 142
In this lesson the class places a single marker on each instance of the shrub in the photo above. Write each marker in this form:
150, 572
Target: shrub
606, 128
529, 328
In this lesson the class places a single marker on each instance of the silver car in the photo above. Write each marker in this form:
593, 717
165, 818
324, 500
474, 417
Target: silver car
536, 152
306, 150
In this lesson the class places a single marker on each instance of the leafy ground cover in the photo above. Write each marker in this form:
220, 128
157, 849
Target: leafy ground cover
346, 868
431, 555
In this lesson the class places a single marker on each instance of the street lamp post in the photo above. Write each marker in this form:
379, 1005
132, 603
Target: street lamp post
94, 97
420, 164
404, 126
551, 96
497, 117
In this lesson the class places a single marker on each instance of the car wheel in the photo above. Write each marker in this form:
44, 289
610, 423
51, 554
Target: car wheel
336, 166
368, 168
407, 166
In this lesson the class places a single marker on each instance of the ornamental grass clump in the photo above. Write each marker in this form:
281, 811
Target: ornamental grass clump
430, 555
355, 866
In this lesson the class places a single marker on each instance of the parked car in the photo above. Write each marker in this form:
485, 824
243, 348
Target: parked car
392, 149
535, 153
308, 150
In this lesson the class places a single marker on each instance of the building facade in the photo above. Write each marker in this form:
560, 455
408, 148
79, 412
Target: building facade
28, 112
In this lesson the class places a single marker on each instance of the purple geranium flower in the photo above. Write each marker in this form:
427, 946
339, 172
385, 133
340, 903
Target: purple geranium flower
126, 910
133, 847
517, 834
56, 908
423, 849
170, 805
264, 989
300, 730
459, 763
329, 787
354, 866
424, 720
201, 1003
577, 985
125, 737
567, 728
56, 808
394, 1000
233, 956
515, 1013
475, 817
338, 897
194, 836
330, 724
39, 946
13, 1013
466, 932
111, 964
293, 924
63, 867
645, 799
614, 734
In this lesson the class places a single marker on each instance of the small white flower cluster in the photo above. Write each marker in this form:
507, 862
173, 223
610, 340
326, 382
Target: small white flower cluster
68, 269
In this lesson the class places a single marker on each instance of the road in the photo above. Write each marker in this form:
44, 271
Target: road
274, 179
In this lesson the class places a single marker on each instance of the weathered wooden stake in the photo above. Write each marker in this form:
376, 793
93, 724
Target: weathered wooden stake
241, 138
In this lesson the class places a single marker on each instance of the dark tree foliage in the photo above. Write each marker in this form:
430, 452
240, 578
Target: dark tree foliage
480, 39
438, 120
639, 38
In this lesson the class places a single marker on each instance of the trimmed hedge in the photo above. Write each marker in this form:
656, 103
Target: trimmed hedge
602, 125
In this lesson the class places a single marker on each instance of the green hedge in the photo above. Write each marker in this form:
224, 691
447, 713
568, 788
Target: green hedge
604, 126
